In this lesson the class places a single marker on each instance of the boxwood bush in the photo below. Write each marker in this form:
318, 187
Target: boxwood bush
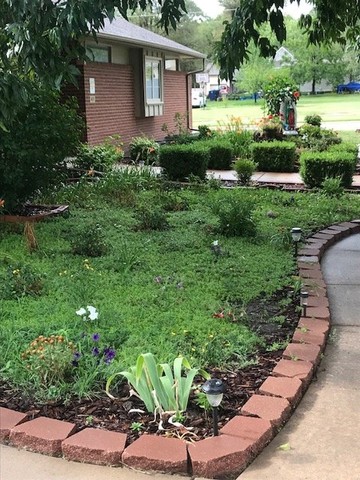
346, 147
274, 156
315, 167
221, 153
180, 161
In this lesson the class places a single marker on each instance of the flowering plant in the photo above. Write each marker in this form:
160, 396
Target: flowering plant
279, 90
271, 122
88, 314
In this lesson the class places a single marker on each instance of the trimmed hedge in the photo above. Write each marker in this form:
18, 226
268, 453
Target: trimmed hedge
180, 161
274, 156
346, 147
315, 167
221, 153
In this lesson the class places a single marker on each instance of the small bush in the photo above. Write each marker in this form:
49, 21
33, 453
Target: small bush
241, 141
144, 149
235, 217
205, 132
220, 154
244, 169
20, 280
332, 187
89, 241
101, 158
179, 161
315, 167
313, 120
346, 147
151, 217
274, 156
316, 138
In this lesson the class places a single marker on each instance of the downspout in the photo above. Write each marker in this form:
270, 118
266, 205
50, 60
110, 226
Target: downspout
187, 92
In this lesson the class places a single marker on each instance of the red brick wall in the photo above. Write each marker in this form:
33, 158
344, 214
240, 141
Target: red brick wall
113, 110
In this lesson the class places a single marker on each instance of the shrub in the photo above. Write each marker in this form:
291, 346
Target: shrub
274, 156
20, 280
332, 187
89, 241
346, 147
33, 150
316, 138
151, 217
144, 149
205, 132
313, 120
241, 142
235, 217
101, 158
317, 166
221, 154
244, 169
179, 161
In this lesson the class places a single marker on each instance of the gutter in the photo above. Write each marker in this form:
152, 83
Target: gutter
188, 106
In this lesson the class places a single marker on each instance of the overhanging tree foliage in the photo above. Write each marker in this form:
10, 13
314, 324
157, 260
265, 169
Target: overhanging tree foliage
334, 21
42, 38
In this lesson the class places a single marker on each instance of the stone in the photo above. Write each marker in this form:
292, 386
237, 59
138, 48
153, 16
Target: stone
276, 410
289, 388
314, 283
318, 312
42, 435
302, 351
314, 324
310, 251
318, 301
92, 445
313, 274
8, 420
309, 265
302, 335
294, 369
156, 453
258, 430
308, 259
220, 456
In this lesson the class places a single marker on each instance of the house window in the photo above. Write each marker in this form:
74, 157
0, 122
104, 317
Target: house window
99, 54
153, 76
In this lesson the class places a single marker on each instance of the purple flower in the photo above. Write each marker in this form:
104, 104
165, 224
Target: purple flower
95, 351
77, 355
109, 355
74, 363
96, 337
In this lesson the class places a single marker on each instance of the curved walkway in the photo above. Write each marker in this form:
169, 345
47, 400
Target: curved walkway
321, 440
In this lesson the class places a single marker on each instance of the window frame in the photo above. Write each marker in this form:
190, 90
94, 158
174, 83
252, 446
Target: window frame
90, 53
154, 100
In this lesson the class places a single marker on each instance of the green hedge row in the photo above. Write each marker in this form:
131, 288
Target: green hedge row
180, 161
274, 156
315, 167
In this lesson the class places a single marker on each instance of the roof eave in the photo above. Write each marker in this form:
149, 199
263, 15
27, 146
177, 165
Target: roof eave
132, 42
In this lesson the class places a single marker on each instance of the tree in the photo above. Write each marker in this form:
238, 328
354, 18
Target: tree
254, 74
334, 21
41, 39
314, 63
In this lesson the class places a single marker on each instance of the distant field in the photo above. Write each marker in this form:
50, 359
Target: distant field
331, 107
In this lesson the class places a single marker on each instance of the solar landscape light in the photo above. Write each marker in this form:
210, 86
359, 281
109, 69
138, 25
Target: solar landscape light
304, 302
214, 391
296, 237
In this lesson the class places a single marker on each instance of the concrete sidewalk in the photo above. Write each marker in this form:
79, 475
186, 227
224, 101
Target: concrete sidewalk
322, 437
268, 177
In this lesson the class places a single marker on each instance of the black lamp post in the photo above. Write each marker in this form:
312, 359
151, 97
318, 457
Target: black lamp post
214, 390
296, 237
304, 302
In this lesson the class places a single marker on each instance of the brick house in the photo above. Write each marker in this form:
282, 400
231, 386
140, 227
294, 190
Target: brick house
133, 85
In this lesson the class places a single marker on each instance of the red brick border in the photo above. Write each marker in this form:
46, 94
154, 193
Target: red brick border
244, 436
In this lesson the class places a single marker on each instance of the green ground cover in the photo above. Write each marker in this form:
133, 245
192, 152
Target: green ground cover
331, 107
154, 290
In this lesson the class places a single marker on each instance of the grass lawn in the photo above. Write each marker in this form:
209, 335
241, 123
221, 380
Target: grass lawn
331, 107
154, 290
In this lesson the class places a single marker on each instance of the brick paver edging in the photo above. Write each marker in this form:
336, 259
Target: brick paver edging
243, 437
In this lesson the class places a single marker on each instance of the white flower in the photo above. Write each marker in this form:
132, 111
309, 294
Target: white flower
215, 243
90, 313
93, 313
